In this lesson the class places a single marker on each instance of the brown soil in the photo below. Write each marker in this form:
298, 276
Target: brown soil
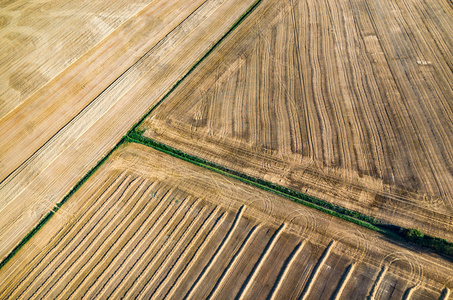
147, 224
65, 128
347, 101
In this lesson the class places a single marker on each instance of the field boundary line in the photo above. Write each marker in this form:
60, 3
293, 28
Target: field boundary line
394, 232
47, 216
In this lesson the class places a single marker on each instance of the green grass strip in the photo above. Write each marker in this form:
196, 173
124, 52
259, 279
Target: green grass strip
88, 175
27, 238
198, 62
58, 205
101, 162
438, 245
275, 188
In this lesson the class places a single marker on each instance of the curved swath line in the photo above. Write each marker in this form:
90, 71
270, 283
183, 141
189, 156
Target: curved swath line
356, 242
178, 229
438, 130
40, 256
285, 271
71, 241
194, 259
50, 285
364, 115
145, 254
265, 199
412, 117
416, 269
233, 262
259, 264
301, 79
217, 253
308, 218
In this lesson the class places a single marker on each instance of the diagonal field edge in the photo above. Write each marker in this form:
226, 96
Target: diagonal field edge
47, 217
398, 234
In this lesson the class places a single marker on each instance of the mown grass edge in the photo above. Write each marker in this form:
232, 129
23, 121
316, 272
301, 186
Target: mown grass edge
58, 205
394, 232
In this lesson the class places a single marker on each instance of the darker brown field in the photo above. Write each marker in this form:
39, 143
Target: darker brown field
150, 225
347, 101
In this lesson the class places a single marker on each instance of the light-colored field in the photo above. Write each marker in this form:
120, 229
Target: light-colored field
147, 224
57, 134
39, 39
347, 101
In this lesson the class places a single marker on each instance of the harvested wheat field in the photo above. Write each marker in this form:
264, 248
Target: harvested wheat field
148, 224
347, 101
39, 39
55, 136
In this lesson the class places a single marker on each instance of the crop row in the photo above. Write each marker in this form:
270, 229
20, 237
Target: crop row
439, 245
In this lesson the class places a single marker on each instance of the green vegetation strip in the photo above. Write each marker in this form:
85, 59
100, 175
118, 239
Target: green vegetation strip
438, 245
236, 24
27, 238
99, 164
58, 206
324, 206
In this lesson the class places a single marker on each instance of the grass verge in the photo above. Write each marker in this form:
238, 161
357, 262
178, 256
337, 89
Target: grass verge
101, 162
414, 236
57, 206
198, 62
27, 238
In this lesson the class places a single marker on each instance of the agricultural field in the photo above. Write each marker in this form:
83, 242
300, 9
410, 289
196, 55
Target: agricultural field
33, 50
148, 224
61, 131
346, 101
246, 149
